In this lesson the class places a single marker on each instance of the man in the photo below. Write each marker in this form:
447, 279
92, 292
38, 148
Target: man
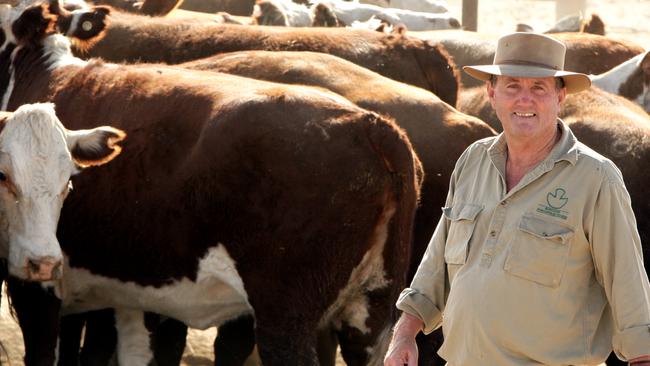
536, 259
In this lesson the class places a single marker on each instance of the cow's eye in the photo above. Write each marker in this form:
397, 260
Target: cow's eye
3, 177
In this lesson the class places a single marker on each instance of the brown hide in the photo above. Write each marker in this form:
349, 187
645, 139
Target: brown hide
133, 38
310, 195
586, 53
435, 129
291, 181
438, 132
235, 7
612, 125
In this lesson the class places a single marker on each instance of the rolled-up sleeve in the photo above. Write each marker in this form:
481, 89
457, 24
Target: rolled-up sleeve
426, 296
618, 260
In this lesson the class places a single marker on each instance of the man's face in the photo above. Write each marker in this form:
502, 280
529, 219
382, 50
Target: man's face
527, 107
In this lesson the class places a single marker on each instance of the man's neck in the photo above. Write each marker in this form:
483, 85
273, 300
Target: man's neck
524, 155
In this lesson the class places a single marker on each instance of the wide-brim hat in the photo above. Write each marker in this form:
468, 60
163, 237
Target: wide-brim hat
530, 55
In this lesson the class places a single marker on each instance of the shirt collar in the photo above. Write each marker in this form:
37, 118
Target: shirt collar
565, 149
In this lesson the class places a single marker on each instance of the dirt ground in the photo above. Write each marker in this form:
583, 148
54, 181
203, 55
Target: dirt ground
624, 19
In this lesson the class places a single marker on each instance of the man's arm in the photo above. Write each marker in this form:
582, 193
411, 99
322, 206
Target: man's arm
403, 349
618, 263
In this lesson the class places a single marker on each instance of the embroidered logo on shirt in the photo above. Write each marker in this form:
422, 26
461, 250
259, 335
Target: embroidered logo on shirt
555, 200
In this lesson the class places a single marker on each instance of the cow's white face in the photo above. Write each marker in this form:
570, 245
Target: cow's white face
35, 169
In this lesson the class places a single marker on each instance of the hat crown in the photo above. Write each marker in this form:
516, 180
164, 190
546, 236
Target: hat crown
530, 49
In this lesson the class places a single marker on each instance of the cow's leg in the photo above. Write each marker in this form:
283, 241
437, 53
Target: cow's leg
364, 341
100, 339
326, 347
133, 338
428, 346
71, 328
235, 341
37, 310
167, 340
283, 342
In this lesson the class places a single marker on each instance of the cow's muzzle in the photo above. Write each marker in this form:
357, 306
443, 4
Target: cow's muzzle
45, 269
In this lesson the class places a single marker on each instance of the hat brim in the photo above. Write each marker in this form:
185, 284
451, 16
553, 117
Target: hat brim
574, 81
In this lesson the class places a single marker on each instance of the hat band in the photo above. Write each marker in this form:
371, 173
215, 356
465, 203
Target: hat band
526, 63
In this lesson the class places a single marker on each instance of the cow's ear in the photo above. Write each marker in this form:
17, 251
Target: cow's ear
4, 117
34, 24
94, 147
645, 64
91, 25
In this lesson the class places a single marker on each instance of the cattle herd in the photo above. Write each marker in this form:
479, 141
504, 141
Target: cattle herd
274, 168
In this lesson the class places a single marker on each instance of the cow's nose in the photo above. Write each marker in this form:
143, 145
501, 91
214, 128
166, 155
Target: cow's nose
43, 269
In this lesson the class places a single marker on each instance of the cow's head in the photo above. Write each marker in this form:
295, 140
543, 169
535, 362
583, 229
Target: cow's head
644, 66
30, 21
37, 158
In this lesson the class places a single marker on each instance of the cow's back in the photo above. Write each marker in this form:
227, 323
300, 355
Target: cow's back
132, 38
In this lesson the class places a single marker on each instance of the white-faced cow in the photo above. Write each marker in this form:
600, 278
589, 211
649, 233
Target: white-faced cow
37, 158
137, 38
631, 80
234, 196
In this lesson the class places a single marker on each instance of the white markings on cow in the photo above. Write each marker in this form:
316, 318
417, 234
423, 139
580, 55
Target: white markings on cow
216, 296
132, 338
58, 52
351, 305
35, 157
611, 80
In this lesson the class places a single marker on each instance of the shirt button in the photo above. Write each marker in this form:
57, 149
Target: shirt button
493, 233
503, 203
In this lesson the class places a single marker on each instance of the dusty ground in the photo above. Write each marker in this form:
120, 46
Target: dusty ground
624, 19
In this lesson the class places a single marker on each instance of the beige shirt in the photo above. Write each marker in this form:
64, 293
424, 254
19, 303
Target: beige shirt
548, 273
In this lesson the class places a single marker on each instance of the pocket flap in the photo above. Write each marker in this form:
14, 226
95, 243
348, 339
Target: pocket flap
462, 211
545, 229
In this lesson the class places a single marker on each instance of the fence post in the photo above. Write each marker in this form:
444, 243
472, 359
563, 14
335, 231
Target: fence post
470, 14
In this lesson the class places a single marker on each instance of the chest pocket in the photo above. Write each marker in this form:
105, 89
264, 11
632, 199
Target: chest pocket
462, 219
539, 251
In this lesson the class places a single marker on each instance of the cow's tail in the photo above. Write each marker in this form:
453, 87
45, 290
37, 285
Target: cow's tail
406, 174
439, 70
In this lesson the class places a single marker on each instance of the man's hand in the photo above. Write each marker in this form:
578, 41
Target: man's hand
402, 349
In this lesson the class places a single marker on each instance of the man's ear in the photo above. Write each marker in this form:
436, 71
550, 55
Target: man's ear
561, 95
490, 92
34, 24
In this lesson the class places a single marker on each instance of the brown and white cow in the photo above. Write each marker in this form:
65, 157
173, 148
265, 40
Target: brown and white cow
133, 38
37, 158
233, 196
434, 128
586, 53
631, 80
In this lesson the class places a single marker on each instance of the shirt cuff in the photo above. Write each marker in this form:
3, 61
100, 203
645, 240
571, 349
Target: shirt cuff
413, 302
632, 342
